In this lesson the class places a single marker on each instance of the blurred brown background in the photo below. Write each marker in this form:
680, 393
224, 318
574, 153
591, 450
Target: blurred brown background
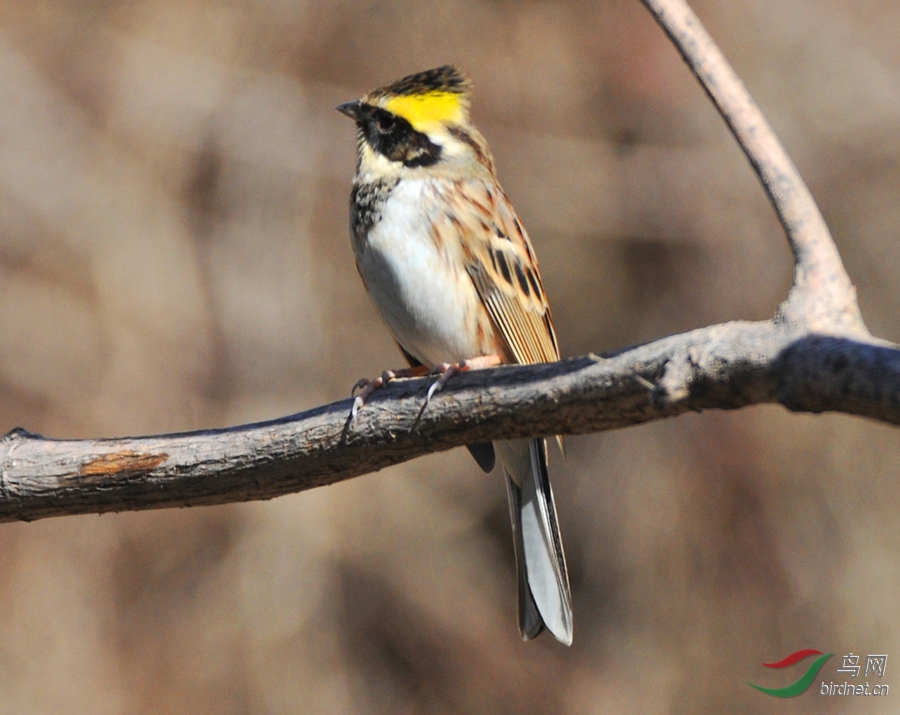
174, 255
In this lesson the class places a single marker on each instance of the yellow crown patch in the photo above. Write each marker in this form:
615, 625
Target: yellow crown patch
423, 111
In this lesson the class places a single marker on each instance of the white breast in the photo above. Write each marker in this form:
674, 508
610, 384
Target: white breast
423, 293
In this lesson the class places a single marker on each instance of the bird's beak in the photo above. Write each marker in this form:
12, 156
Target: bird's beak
351, 109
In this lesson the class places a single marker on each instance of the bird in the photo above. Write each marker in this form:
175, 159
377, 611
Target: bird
454, 277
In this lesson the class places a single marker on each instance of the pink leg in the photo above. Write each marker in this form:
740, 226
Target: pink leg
367, 387
448, 370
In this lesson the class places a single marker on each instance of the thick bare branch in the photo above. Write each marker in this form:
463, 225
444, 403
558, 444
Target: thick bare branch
723, 366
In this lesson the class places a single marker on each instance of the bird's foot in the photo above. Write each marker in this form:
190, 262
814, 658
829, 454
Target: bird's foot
367, 387
447, 370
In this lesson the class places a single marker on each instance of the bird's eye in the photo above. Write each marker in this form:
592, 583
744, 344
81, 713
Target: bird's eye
385, 122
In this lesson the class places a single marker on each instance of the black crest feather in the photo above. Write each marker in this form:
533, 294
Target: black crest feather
447, 78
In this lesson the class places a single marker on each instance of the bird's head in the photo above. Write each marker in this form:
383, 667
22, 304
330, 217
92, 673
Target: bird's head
418, 122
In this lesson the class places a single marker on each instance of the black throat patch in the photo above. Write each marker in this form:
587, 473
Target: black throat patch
366, 202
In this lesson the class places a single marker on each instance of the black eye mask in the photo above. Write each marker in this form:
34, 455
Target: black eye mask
395, 138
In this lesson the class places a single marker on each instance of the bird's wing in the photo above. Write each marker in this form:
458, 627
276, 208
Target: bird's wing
501, 262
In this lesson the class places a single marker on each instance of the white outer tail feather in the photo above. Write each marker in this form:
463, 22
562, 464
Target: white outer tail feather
544, 595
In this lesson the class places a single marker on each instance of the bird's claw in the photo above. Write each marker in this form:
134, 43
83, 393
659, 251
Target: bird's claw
358, 402
444, 371
447, 370
360, 384
366, 388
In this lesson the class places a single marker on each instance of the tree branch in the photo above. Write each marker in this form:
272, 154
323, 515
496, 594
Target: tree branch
724, 366
822, 289
814, 355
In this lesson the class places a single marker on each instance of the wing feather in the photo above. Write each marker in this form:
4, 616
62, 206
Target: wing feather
501, 262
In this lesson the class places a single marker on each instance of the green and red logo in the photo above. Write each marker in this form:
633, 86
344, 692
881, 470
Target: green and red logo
795, 689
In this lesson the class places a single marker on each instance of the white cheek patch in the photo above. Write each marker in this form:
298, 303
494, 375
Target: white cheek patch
374, 165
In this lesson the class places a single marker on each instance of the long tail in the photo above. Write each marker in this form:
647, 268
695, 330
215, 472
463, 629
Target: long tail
544, 595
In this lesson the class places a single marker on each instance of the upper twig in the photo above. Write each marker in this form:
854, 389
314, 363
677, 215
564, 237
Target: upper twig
822, 294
